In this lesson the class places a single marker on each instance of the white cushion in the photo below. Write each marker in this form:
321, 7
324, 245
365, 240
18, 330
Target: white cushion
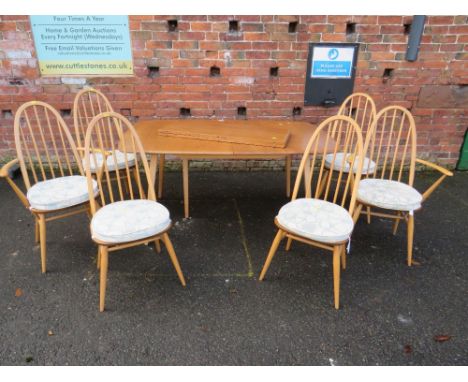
119, 158
368, 166
389, 194
129, 220
316, 219
54, 194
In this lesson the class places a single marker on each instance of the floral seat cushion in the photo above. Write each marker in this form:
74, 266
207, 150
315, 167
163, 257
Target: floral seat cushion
54, 194
129, 220
317, 220
111, 161
368, 166
389, 194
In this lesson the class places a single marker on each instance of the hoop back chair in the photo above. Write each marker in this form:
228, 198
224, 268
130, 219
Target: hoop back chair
88, 103
361, 108
324, 218
50, 166
392, 147
128, 217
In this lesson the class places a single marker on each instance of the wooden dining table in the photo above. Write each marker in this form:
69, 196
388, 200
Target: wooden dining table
219, 140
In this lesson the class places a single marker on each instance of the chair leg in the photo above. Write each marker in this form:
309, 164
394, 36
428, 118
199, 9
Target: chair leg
103, 276
337, 249
157, 246
42, 239
88, 212
274, 246
36, 230
368, 215
410, 238
324, 181
395, 225
343, 257
97, 205
125, 184
173, 257
98, 262
357, 212
288, 244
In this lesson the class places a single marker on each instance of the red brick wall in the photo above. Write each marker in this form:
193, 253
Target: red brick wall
184, 57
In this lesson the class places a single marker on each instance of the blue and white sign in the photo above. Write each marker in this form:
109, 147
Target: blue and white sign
332, 62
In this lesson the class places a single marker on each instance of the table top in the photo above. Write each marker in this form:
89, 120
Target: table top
260, 135
153, 143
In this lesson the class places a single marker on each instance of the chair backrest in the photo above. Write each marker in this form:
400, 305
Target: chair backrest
392, 144
44, 144
361, 108
338, 138
88, 103
111, 134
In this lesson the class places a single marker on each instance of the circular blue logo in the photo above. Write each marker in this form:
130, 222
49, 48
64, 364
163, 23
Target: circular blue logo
333, 54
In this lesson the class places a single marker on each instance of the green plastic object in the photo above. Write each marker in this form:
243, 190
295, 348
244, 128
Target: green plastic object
463, 161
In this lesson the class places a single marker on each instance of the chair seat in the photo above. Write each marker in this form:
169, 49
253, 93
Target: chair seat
129, 220
317, 220
368, 166
110, 161
389, 194
58, 193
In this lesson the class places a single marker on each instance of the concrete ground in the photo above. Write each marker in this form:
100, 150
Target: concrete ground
390, 314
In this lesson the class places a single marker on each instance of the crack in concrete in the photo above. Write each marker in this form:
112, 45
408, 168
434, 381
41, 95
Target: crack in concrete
250, 272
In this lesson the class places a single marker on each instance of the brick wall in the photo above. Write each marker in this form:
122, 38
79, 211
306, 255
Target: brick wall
173, 70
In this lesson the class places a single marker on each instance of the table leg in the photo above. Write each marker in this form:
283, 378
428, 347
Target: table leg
288, 176
162, 158
185, 176
153, 169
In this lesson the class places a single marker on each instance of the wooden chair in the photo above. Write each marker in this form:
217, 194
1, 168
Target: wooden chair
391, 145
324, 218
88, 103
361, 108
128, 217
51, 168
